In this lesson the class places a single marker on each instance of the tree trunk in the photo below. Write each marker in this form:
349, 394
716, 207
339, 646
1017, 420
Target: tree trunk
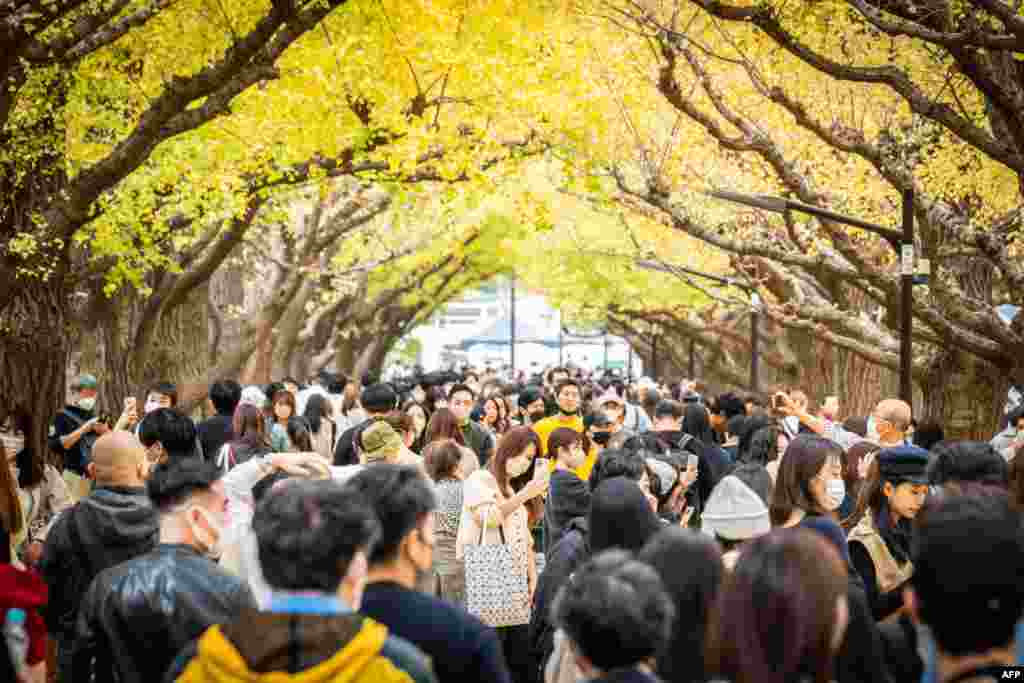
34, 356
964, 395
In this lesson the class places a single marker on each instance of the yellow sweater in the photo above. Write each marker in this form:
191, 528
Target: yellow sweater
550, 424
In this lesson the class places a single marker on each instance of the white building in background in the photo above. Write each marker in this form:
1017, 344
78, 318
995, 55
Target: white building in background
487, 311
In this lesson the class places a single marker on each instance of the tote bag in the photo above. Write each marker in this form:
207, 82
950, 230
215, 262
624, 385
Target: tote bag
497, 588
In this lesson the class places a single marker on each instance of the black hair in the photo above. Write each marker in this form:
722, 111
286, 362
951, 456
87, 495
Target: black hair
968, 555
927, 434
615, 462
378, 398
335, 384
400, 496
530, 394
967, 461
318, 408
690, 566
461, 388
763, 447
757, 478
615, 611
308, 532
736, 425
729, 405
298, 434
168, 389
673, 409
697, 425
568, 382
175, 431
225, 395
172, 483
747, 431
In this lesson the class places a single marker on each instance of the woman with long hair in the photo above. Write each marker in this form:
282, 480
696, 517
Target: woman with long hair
299, 437
882, 526
690, 565
282, 409
43, 491
442, 461
250, 440
494, 511
418, 412
443, 426
809, 482
11, 516
855, 471
320, 418
782, 613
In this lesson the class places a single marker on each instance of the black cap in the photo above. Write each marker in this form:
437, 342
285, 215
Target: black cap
597, 419
903, 463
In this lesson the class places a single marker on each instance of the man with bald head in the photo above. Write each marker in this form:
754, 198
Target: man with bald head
114, 523
887, 426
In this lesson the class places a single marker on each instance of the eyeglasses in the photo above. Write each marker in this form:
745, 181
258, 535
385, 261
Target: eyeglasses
462, 404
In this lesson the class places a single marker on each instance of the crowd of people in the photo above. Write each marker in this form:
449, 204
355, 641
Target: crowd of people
485, 526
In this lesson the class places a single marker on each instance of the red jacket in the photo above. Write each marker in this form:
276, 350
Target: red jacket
25, 589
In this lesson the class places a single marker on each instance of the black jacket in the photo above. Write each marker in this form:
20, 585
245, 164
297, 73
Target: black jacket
68, 420
568, 498
214, 433
136, 617
109, 526
479, 440
460, 646
565, 557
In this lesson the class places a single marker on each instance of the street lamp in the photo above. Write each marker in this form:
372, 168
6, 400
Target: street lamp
755, 316
900, 240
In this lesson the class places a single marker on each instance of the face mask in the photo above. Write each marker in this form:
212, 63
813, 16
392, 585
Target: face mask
212, 547
537, 416
601, 438
151, 406
836, 489
517, 466
87, 404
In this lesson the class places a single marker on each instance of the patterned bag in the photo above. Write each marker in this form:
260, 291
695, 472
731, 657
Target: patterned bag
497, 588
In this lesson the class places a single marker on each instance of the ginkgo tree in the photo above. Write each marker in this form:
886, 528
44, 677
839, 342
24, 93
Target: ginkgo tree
841, 105
137, 136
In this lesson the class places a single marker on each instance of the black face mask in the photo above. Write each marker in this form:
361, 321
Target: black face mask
537, 416
601, 438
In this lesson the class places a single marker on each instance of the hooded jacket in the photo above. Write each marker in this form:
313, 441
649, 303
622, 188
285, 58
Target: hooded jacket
25, 590
263, 647
568, 497
109, 526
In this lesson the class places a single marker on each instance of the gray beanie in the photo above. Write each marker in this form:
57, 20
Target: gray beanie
666, 474
735, 512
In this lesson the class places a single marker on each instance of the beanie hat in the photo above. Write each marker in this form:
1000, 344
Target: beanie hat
380, 442
735, 512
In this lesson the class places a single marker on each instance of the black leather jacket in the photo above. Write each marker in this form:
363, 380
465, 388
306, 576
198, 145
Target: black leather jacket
136, 617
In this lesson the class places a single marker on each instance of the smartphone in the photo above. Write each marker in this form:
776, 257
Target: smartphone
540, 468
692, 460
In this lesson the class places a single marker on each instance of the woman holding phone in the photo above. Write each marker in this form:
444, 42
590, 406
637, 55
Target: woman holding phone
491, 505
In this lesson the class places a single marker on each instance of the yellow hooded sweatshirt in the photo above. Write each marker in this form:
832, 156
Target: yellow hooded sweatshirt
361, 660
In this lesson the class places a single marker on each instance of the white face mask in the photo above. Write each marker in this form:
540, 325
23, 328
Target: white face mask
150, 407
209, 547
516, 466
87, 404
836, 490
